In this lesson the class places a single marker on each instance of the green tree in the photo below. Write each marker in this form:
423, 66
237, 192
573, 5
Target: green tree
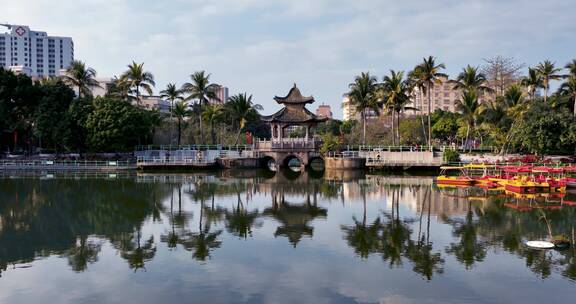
548, 71
201, 90
532, 82
430, 74
362, 97
173, 95
471, 79
571, 66
51, 121
568, 89
19, 97
468, 105
241, 109
180, 112
417, 80
76, 136
136, 78
117, 126
544, 130
446, 126
213, 114
396, 92
81, 77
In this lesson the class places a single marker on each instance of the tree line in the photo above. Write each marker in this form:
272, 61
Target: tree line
497, 107
60, 114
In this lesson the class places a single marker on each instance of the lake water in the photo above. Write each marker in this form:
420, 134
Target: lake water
285, 237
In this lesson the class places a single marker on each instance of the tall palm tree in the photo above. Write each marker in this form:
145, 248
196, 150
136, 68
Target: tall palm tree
81, 77
533, 81
417, 80
396, 91
180, 111
571, 66
568, 88
468, 105
136, 78
431, 75
471, 78
516, 107
241, 109
213, 113
548, 71
201, 90
172, 94
362, 96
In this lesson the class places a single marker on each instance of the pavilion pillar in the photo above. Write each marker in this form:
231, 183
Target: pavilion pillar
307, 132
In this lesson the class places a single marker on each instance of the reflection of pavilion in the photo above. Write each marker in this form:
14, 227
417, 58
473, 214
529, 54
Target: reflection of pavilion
294, 218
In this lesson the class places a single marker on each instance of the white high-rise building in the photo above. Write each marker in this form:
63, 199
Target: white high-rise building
34, 53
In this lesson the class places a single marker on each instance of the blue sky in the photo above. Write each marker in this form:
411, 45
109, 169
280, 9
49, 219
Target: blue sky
263, 46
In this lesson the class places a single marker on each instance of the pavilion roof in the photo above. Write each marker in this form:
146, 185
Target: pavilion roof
293, 115
294, 97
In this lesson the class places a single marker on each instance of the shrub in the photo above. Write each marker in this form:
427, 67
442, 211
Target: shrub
451, 156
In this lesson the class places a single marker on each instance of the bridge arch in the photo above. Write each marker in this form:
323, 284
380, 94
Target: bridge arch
290, 157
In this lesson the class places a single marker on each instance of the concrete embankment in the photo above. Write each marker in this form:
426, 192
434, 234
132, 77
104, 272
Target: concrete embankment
341, 163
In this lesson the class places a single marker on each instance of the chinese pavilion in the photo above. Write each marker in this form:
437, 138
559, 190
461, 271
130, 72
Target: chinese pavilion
294, 113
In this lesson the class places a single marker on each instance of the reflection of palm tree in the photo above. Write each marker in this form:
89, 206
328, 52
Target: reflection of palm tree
364, 239
469, 250
135, 253
172, 239
426, 263
82, 253
395, 233
240, 221
203, 241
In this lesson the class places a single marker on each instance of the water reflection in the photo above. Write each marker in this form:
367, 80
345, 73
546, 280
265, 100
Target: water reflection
405, 222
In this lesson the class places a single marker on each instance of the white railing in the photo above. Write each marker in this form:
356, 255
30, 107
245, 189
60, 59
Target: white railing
15, 164
287, 143
174, 160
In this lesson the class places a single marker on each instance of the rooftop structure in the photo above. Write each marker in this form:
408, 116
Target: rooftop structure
34, 53
324, 111
294, 111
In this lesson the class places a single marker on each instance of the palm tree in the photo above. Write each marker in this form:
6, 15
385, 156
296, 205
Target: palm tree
180, 111
136, 78
532, 82
201, 90
81, 77
241, 109
471, 78
203, 241
173, 94
417, 81
430, 75
363, 98
396, 91
548, 71
468, 105
516, 107
568, 88
213, 113
571, 66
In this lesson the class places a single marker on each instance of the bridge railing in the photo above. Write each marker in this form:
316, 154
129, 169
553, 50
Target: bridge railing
287, 143
194, 147
174, 160
14, 164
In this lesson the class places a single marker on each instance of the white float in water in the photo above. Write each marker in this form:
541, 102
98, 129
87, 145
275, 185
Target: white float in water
540, 244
